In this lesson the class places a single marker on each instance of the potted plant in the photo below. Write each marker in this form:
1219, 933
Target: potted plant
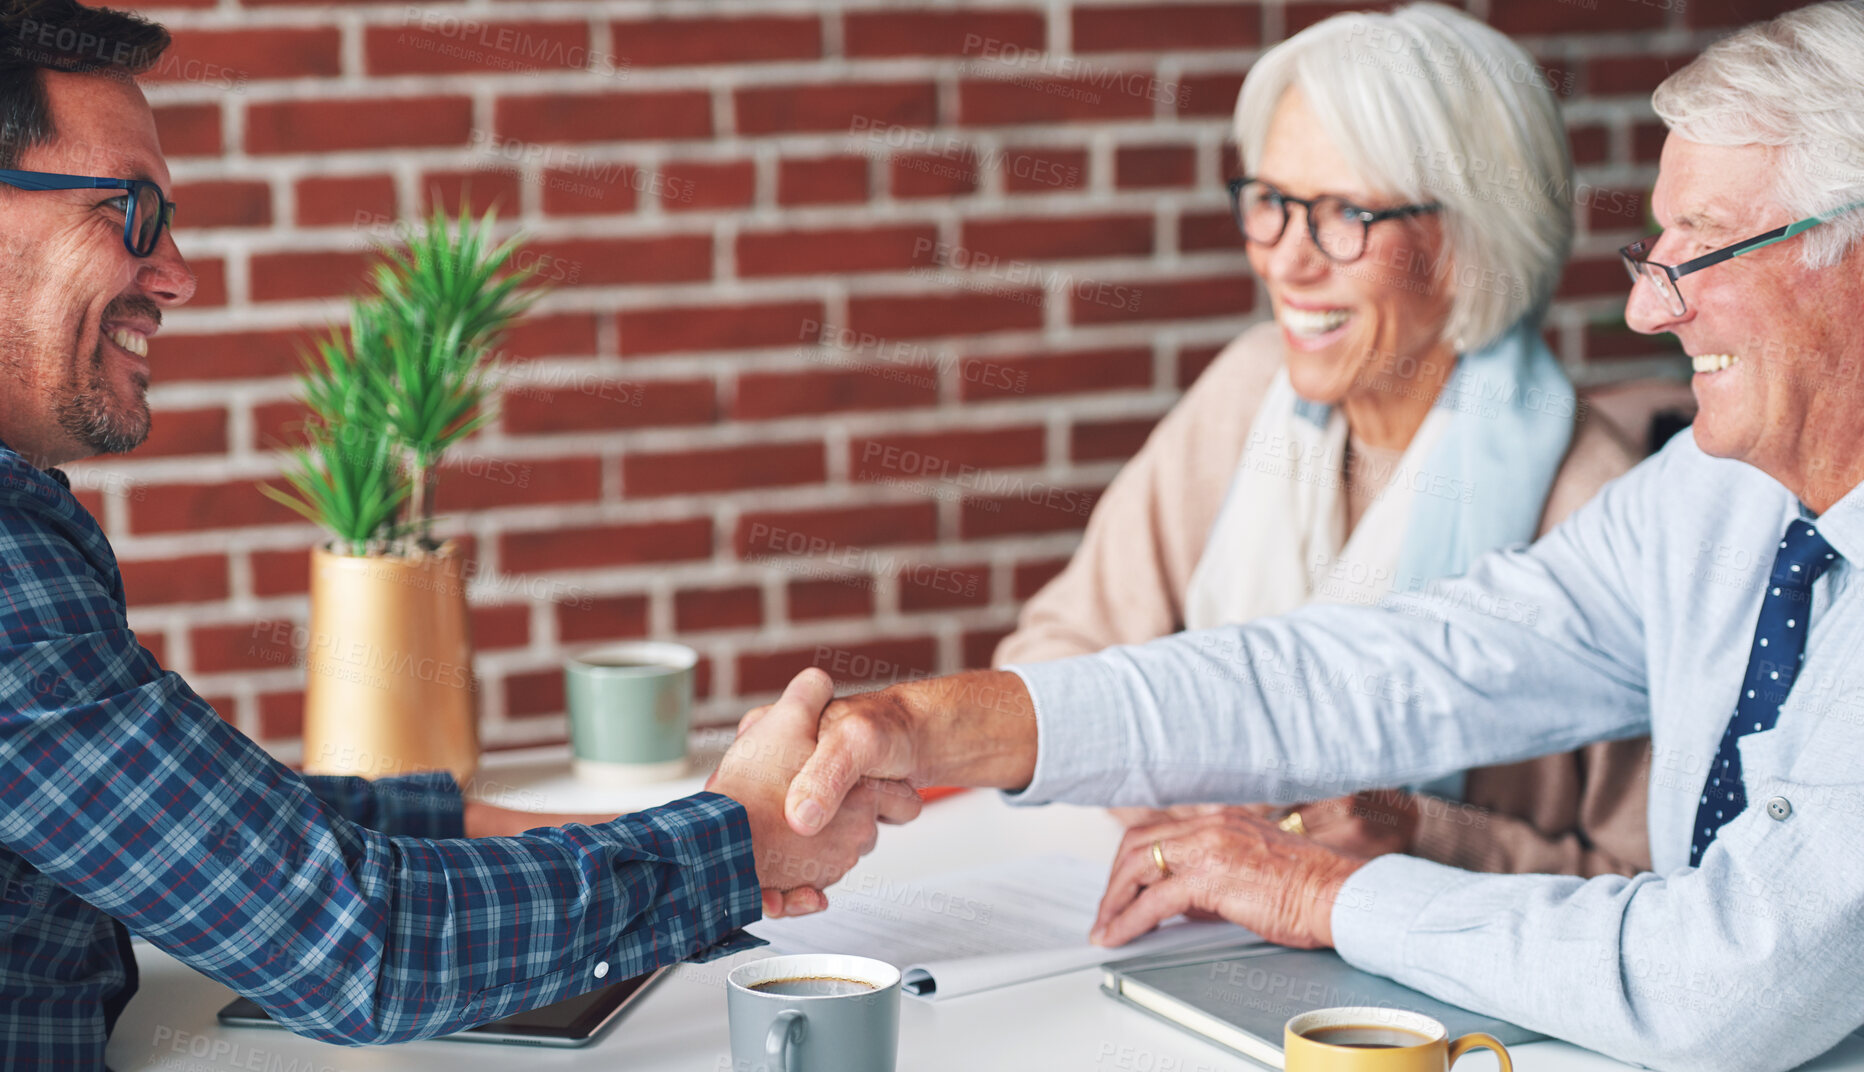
389, 686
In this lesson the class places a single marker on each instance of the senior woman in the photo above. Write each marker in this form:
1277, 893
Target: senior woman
1406, 202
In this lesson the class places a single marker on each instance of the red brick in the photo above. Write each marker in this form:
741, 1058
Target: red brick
1212, 94
976, 34
279, 425
697, 609
1175, 299
1156, 27
774, 533
1591, 144
980, 644
1032, 100
603, 618
835, 106
1030, 577
192, 507
1061, 238
475, 481
874, 661
1193, 361
446, 46
1594, 277
1299, 16
839, 249
933, 587
155, 642
327, 200
822, 180
592, 402
210, 283
313, 126
281, 715
281, 573
580, 547
1216, 229
92, 500
1043, 170
602, 261
183, 431
757, 465
589, 191
930, 315
1602, 16
697, 184
534, 694
934, 174
708, 328
1150, 166
576, 117
1608, 209
223, 204
550, 335
1630, 75
1613, 341
478, 190
264, 645
1118, 440
226, 59
877, 386
189, 579
189, 129
232, 355
1733, 13
499, 627
952, 456
674, 42
1036, 507
850, 596
1055, 374
1647, 142
308, 274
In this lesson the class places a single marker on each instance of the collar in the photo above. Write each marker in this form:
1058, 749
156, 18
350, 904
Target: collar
1843, 525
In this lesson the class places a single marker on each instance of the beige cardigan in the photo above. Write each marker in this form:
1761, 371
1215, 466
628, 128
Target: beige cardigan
1579, 813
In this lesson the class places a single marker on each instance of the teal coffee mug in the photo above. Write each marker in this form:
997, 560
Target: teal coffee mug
630, 706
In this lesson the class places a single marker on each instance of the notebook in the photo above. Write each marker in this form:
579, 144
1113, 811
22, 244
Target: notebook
1239, 998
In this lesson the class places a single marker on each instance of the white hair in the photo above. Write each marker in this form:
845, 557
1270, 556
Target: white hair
1430, 105
1794, 83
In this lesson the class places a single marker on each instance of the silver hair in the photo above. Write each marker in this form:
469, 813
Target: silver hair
1794, 84
1428, 104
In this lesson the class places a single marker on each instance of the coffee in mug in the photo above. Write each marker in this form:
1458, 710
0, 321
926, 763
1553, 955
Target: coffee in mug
814, 986
1367, 1039
1365, 1036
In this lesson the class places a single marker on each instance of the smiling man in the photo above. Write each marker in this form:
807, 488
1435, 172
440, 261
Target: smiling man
1709, 597
352, 911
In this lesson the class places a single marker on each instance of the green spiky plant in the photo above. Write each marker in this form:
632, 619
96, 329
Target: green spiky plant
409, 381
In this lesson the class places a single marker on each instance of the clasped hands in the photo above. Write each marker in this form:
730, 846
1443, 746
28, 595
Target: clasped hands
817, 775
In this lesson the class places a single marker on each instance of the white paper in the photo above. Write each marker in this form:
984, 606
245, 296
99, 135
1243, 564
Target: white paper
967, 931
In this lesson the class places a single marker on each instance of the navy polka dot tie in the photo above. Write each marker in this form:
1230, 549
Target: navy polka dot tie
1779, 646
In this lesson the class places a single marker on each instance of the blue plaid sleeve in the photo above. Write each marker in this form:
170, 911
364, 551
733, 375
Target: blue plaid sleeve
427, 805
119, 784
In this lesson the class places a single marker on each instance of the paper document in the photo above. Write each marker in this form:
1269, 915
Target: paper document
966, 931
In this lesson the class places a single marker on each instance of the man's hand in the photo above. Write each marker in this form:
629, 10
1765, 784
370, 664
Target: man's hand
758, 770
1366, 824
1231, 865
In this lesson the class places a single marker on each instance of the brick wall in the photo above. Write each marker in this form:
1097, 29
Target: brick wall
858, 305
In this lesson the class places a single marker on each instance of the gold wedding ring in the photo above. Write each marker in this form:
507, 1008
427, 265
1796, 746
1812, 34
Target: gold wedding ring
1158, 857
1293, 824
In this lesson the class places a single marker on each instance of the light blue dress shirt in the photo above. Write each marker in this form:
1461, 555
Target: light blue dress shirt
1634, 616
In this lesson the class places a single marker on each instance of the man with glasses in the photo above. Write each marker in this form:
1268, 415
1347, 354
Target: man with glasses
352, 911
1708, 597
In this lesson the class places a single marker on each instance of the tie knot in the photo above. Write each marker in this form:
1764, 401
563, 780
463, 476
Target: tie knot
1803, 555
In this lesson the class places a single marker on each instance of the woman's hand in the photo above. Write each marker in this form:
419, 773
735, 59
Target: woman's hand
1366, 824
1235, 866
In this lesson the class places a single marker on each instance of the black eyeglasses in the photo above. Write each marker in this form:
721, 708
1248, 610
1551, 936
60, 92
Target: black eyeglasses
1663, 277
1337, 226
146, 213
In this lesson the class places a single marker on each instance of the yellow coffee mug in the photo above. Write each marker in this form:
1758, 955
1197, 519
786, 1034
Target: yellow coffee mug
1368, 1039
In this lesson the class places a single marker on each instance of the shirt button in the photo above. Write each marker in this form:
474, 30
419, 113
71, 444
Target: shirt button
601, 968
1779, 808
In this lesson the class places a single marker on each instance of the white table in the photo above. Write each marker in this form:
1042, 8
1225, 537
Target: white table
1059, 1023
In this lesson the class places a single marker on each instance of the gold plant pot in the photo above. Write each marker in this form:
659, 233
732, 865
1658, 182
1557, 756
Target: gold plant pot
389, 687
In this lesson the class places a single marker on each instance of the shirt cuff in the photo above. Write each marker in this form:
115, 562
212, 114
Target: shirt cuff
715, 891
425, 805
1070, 764
1378, 906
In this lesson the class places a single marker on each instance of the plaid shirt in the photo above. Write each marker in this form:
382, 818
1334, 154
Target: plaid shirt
352, 911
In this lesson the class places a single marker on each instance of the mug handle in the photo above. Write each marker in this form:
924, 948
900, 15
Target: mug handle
789, 1026
1478, 1041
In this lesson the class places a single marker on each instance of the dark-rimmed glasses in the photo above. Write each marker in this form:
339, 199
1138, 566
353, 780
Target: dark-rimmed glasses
146, 212
1663, 277
1338, 227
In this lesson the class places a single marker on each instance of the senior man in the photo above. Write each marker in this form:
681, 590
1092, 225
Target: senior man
1708, 597
350, 910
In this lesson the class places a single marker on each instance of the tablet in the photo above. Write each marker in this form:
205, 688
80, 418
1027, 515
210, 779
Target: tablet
572, 1022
